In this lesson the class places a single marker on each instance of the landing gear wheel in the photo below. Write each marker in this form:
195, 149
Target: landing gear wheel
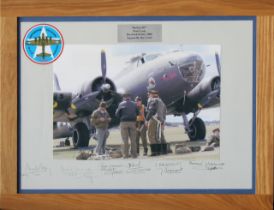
80, 135
197, 129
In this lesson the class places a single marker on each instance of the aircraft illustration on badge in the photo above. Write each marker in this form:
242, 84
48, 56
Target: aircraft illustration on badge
43, 44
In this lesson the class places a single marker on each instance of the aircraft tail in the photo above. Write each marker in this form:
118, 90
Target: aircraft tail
56, 83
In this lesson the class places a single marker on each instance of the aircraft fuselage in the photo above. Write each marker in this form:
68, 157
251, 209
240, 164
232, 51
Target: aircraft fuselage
173, 75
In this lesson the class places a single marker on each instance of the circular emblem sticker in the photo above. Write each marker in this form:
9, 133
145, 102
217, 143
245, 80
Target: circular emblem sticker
43, 44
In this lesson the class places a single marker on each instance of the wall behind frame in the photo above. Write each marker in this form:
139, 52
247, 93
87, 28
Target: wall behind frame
8, 104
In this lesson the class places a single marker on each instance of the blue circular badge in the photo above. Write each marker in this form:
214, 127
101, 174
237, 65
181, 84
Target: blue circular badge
43, 44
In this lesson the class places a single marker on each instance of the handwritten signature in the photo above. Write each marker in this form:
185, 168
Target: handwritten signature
137, 168
36, 170
169, 167
111, 169
86, 173
209, 166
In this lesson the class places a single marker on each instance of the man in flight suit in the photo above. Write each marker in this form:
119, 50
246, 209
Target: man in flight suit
140, 125
156, 116
100, 119
127, 112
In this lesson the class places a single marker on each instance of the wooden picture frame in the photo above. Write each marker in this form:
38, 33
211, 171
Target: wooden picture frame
9, 197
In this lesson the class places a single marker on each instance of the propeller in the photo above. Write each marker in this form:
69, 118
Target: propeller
105, 87
218, 64
103, 65
101, 89
56, 83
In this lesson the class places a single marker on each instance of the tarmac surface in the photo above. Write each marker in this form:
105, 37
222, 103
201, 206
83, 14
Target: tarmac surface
175, 137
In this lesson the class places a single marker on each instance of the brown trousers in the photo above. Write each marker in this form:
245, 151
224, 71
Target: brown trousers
141, 132
128, 131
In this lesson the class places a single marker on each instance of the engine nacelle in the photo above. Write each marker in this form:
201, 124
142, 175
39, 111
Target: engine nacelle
204, 88
62, 100
62, 130
97, 85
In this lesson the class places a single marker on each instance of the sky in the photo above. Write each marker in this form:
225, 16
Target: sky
80, 63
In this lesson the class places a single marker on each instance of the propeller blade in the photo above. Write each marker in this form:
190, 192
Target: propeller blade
103, 65
218, 64
56, 83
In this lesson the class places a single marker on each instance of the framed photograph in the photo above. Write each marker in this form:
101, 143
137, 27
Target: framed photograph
79, 131
102, 111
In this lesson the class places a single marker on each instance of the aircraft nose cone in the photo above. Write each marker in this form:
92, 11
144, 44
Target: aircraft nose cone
191, 68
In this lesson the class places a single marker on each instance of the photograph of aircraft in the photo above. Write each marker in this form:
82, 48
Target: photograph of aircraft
178, 76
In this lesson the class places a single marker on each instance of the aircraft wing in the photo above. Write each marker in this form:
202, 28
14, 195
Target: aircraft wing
61, 105
38, 42
34, 42
67, 107
53, 42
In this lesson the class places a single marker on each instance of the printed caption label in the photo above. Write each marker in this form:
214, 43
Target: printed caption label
140, 33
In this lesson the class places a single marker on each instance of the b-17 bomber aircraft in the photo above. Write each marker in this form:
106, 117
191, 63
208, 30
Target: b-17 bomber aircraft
177, 75
43, 41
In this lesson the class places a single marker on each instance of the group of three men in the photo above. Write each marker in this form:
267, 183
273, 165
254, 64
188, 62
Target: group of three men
135, 121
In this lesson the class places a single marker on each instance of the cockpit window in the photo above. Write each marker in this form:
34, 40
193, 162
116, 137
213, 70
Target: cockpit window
192, 71
147, 58
150, 57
